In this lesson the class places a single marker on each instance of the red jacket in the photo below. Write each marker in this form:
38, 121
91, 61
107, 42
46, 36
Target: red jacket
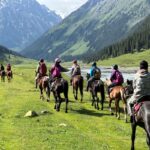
43, 69
8, 67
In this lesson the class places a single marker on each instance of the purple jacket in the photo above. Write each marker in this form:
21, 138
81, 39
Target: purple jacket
56, 71
116, 77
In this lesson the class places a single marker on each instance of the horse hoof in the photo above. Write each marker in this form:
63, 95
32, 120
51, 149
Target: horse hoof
118, 118
66, 111
102, 108
112, 114
48, 100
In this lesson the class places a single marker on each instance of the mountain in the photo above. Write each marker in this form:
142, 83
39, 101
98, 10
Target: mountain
5, 52
23, 21
95, 25
138, 41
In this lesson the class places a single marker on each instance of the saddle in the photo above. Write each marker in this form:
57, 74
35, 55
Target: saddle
56, 81
137, 106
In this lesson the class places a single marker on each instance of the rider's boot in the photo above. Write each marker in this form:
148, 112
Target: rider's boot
130, 111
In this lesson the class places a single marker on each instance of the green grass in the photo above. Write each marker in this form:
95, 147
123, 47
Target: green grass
87, 128
127, 60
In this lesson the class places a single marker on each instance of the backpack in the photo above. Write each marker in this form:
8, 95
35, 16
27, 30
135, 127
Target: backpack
77, 70
97, 73
119, 77
56, 72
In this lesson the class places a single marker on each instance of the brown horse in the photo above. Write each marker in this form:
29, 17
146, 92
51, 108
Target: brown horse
142, 119
43, 83
9, 75
97, 86
58, 86
116, 94
2, 74
77, 83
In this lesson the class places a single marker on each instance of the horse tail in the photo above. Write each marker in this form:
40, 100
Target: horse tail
66, 88
80, 83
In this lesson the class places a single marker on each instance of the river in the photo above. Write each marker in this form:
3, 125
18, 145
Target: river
128, 73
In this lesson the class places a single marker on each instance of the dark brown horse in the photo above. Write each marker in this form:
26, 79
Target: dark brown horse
96, 87
77, 83
43, 83
9, 75
142, 119
2, 74
58, 86
116, 94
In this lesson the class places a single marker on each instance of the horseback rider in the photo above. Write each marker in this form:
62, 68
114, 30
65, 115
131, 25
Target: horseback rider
141, 85
95, 74
55, 72
75, 70
8, 67
116, 78
2, 68
56, 69
42, 69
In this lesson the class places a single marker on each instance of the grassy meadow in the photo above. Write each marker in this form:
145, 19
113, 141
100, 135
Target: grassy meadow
82, 128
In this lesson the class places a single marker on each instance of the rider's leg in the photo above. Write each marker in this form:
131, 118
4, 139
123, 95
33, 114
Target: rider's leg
130, 105
89, 83
71, 80
109, 87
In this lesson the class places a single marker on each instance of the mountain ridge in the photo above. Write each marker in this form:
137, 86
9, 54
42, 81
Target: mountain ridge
23, 21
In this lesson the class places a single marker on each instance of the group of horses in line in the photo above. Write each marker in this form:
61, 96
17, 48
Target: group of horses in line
60, 85
7, 74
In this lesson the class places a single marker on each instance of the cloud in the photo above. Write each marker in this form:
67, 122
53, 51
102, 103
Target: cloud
63, 7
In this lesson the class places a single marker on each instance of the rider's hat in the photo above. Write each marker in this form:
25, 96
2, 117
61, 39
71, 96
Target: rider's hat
94, 64
74, 61
143, 64
57, 60
115, 66
41, 60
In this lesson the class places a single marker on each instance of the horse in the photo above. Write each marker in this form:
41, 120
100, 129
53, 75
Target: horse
58, 86
96, 87
142, 119
9, 75
77, 82
116, 94
141, 115
2, 74
43, 83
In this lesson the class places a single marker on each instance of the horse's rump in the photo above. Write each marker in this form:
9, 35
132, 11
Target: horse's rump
116, 91
59, 84
43, 81
9, 73
3, 73
77, 79
145, 100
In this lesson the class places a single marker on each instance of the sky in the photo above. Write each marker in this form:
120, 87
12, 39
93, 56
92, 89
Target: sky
62, 7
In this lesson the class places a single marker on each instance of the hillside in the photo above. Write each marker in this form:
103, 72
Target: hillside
138, 41
9, 56
95, 25
127, 60
23, 21
5, 51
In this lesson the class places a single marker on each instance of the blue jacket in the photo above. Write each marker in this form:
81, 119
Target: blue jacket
92, 70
